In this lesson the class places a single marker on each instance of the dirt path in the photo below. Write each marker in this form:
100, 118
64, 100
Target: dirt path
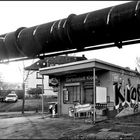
120, 128
36, 127
39, 127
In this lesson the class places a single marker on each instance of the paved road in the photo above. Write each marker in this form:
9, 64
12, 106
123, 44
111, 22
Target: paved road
38, 127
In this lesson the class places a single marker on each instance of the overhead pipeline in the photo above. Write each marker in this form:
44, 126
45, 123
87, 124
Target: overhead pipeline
113, 24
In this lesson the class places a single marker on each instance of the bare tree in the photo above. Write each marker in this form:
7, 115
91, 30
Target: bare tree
25, 76
1, 82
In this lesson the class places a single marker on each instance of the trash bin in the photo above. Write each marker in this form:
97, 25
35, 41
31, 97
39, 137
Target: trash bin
50, 109
71, 112
53, 109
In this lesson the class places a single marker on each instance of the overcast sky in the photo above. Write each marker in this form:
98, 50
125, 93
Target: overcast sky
15, 14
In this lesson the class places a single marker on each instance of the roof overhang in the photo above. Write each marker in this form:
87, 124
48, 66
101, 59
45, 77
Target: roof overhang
81, 66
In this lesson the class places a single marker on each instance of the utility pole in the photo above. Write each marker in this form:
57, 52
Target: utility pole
23, 102
23, 87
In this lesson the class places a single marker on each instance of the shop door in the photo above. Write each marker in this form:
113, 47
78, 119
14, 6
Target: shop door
88, 95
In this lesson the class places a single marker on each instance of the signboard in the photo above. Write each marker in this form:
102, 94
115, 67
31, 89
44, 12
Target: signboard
115, 77
80, 78
55, 89
101, 95
53, 82
83, 107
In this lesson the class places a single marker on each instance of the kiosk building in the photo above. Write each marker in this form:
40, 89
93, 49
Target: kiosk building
110, 87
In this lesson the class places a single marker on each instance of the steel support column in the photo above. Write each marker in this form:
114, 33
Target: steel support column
42, 96
94, 97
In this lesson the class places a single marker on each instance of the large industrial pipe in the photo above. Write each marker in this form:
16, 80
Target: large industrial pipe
110, 25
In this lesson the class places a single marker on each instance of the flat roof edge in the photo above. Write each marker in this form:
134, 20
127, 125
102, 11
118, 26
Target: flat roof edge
87, 61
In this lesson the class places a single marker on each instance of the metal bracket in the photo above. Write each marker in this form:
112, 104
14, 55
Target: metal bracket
118, 44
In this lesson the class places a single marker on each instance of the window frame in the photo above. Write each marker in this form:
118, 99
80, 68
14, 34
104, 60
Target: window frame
39, 76
72, 95
39, 86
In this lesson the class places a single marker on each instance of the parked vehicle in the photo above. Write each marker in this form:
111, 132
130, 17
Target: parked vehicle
11, 98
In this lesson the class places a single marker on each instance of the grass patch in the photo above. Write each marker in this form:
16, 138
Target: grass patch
30, 105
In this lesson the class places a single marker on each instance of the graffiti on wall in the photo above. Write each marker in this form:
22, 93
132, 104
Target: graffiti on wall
126, 96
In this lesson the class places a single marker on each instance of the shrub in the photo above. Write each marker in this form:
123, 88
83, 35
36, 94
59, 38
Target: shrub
35, 92
19, 93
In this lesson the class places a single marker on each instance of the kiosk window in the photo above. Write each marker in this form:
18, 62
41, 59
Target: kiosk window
65, 95
71, 94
